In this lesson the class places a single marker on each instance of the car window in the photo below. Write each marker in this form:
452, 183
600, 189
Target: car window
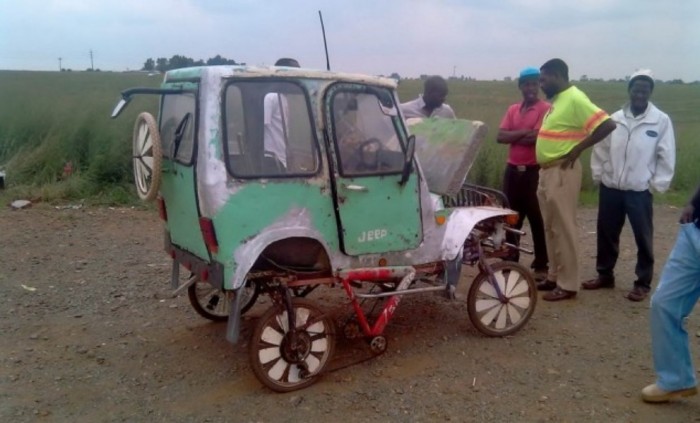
268, 130
364, 131
177, 126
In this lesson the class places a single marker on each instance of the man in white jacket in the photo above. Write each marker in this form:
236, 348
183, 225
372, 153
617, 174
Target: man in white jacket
637, 157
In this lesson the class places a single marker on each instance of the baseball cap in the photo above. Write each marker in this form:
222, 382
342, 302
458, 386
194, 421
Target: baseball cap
529, 73
644, 74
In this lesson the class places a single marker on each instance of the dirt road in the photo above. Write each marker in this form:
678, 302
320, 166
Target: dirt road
89, 335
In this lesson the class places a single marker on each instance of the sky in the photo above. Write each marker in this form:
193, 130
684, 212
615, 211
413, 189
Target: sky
482, 39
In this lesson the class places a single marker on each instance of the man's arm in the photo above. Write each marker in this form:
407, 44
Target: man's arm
598, 134
665, 159
689, 211
600, 155
522, 137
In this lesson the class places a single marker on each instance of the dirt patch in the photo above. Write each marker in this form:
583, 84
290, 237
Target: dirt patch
88, 334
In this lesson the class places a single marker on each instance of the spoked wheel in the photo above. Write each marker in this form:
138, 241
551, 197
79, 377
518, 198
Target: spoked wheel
147, 156
277, 363
215, 304
494, 317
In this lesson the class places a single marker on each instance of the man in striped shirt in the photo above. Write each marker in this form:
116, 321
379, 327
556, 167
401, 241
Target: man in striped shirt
572, 125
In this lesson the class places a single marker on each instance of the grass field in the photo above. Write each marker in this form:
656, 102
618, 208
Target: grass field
50, 118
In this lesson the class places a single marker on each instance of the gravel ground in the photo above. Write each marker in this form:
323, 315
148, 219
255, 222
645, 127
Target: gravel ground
89, 334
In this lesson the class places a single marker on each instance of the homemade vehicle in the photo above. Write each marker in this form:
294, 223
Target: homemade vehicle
278, 181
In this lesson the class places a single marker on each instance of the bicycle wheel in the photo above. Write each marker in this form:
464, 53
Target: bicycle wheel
495, 317
277, 363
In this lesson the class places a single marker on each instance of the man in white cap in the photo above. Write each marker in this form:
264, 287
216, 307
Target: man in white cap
518, 129
636, 158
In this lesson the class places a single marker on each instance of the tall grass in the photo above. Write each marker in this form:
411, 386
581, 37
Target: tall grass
488, 101
50, 118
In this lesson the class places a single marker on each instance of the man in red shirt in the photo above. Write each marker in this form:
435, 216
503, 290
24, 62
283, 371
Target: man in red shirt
519, 129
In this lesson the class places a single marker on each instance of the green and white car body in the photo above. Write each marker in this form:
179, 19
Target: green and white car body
350, 195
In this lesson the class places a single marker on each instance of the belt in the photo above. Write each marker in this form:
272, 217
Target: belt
551, 163
523, 168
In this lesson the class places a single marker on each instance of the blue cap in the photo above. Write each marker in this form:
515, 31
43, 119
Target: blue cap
529, 72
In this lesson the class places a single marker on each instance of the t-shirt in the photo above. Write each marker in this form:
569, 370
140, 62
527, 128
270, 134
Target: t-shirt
571, 118
518, 118
276, 115
415, 109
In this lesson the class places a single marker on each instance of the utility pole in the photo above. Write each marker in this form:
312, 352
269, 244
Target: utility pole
60, 67
454, 71
92, 65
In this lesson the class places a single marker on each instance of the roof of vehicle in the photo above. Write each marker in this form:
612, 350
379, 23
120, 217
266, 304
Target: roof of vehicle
228, 71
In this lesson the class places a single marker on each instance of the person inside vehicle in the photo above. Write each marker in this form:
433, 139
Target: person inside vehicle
431, 103
276, 132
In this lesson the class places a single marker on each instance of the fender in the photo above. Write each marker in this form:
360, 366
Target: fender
246, 254
461, 222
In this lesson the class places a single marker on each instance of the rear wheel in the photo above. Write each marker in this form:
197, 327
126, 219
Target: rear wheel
495, 317
284, 367
215, 304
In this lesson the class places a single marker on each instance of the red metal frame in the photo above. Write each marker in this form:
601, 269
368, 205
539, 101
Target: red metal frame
382, 274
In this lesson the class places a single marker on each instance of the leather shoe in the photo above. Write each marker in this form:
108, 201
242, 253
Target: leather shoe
637, 294
546, 285
598, 283
653, 393
540, 275
559, 294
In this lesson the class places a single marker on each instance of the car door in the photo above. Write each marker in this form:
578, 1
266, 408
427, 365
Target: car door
377, 211
178, 124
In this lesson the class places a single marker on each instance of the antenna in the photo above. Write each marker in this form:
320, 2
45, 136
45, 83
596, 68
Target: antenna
325, 45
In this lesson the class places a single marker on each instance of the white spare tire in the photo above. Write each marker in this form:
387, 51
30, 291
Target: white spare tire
147, 156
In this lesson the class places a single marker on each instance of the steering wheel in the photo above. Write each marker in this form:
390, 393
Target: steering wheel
369, 154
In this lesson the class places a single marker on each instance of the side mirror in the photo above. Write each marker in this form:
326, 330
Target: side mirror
408, 159
120, 106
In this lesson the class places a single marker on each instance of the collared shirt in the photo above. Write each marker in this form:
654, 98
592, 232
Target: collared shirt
518, 118
415, 109
571, 118
276, 126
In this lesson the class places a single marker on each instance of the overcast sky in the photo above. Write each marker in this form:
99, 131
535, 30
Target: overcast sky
485, 39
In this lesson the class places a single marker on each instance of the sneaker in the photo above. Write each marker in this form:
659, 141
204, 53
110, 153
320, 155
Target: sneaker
653, 393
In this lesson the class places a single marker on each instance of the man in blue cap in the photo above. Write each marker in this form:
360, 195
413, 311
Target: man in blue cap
519, 129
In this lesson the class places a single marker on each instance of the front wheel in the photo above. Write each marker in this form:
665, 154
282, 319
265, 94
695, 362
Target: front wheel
493, 316
282, 365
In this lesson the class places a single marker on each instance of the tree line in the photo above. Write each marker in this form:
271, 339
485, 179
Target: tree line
163, 64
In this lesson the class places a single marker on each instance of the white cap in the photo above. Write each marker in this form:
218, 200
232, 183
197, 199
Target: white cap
642, 72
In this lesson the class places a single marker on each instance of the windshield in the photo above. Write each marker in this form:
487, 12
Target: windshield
365, 121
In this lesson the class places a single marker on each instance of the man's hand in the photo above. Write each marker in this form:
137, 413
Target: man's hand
569, 159
687, 214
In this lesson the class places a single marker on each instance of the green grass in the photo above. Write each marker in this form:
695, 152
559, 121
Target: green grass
50, 118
